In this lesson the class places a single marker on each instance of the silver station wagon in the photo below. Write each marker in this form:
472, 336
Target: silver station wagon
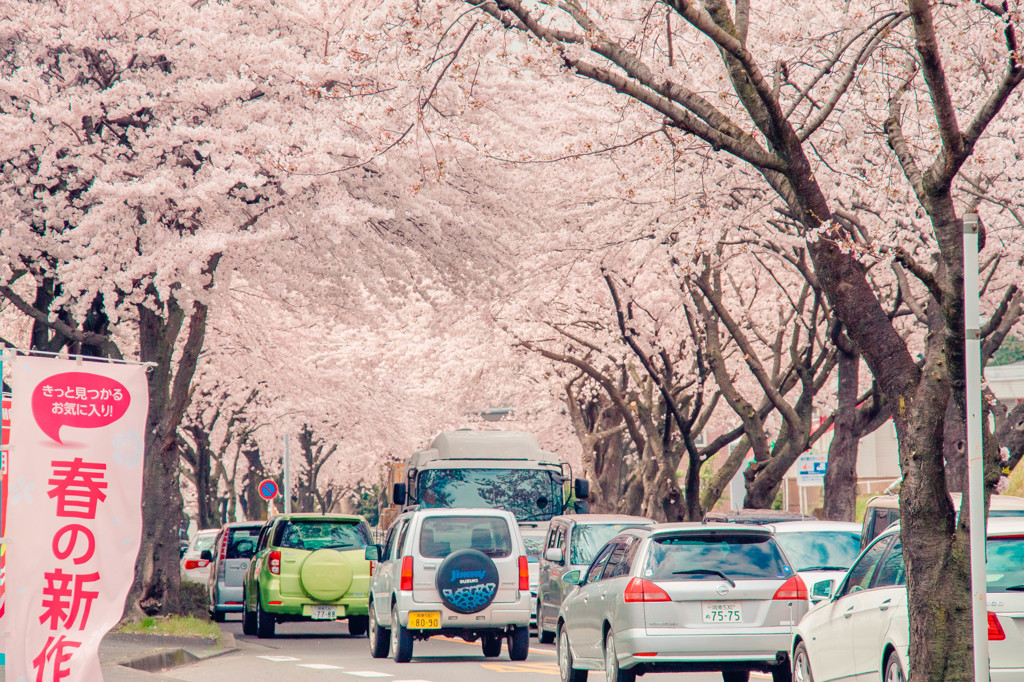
683, 597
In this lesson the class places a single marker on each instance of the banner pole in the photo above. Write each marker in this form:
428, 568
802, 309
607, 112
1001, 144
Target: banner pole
287, 479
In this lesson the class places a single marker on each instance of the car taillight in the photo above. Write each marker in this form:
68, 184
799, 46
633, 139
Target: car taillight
373, 565
995, 629
524, 574
639, 589
274, 562
195, 563
223, 553
406, 583
793, 588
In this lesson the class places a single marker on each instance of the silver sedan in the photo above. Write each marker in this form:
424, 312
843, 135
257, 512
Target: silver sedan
682, 597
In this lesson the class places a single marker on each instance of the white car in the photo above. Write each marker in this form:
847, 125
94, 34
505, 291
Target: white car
819, 550
194, 568
860, 631
456, 572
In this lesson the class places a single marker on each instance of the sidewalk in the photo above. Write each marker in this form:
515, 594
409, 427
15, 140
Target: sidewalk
141, 658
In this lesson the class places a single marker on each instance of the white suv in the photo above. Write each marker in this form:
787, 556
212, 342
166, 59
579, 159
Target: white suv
460, 572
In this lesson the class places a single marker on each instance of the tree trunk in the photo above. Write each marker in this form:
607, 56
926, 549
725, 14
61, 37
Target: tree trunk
954, 446
841, 474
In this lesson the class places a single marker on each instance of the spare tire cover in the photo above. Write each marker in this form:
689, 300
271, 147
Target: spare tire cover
467, 581
326, 575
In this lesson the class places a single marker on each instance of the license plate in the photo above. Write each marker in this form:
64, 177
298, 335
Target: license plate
424, 620
319, 612
721, 612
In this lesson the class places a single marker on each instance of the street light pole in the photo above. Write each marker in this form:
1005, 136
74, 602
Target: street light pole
975, 451
287, 479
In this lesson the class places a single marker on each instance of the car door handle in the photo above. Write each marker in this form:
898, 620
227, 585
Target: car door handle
884, 606
848, 612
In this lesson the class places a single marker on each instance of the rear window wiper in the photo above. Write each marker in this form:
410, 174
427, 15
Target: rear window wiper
1015, 588
706, 571
823, 568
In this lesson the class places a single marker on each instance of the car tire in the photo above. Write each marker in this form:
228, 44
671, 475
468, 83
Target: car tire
519, 643
566, 662
357, 625
893, 669
248, 618
217, 616
782, 673
491, 645
802, 664
401, 639
735, 676
467, 595
380, 638
543, 636
265, 624
612, 671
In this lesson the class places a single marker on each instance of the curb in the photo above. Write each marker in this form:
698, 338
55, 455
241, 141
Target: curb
166, 659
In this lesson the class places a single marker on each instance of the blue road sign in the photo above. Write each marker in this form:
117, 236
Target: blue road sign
268, 489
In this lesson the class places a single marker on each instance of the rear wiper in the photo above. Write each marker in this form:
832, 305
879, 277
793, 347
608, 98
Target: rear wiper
1015, 588
706, 571
823, 568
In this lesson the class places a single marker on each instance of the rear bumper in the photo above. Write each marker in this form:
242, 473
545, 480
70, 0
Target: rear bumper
497, 615
1006, 674
703, 649
225, 595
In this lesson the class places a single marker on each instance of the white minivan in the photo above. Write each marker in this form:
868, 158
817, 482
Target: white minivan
456, 572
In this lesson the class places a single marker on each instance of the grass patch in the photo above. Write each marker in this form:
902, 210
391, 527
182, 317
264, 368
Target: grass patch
180, 626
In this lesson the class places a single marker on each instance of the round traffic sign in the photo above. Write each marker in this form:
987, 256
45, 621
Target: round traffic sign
268, 489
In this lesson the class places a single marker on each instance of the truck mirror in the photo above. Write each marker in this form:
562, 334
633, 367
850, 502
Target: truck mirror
581, 507
582, 487
398, 493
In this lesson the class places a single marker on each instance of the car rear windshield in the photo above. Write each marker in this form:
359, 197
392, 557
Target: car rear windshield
1004, 567
587, 538
242, 542
702, 556
820, 550
314, 534
442, 535
203, 542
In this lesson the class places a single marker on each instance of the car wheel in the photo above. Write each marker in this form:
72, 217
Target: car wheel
782, 673
612, 671
401, 639
379, 636
264, 621
491, 645
543, 636
357, 625
565, 660
519, 643
217, 616
893, 669
735, 676
248, 618
802, 664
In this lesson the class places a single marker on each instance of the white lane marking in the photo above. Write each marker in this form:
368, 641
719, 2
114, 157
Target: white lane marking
367, 673
278, 659
442, 638
320, 666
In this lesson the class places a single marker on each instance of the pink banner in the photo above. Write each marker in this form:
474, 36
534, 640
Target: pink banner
5, 434
75, 512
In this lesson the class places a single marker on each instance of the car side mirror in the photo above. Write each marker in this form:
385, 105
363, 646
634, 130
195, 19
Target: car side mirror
822, 590
581, 488
373, 552
398, 493
572, 578
206, 555
554, 554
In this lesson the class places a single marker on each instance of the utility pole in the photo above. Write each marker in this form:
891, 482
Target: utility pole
975, 451
288, 480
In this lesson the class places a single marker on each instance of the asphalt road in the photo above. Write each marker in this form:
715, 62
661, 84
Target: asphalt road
321, 651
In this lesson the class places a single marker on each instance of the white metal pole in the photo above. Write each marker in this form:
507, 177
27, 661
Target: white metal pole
287, 479
976, 463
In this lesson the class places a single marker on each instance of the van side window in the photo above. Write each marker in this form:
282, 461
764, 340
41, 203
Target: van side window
264, 537
400, 543
389, 544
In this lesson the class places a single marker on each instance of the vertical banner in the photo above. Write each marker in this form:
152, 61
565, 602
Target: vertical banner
75, 514
5, 435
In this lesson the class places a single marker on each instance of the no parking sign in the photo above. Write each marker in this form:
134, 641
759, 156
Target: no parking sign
268, 489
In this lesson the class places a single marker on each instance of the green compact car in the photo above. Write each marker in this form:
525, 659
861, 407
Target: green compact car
308, 567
